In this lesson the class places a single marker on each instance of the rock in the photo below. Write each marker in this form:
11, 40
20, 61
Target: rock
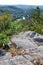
29, 51
20, 50
41, 63
40, 48
2, 52
28, 57
20, 60
17, 60
24, 40
6, 56
28, 37
39, 39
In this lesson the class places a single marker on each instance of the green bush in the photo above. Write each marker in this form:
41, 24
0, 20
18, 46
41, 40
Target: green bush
3, 39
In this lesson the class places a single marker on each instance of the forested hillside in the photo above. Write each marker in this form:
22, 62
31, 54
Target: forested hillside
13, 10
18, 11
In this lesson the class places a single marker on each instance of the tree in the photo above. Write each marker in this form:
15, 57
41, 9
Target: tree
5, 20
36, 14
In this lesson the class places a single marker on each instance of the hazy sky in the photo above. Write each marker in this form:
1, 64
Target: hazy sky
27, 2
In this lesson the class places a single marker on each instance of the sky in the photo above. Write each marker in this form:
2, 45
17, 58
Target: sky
22, 2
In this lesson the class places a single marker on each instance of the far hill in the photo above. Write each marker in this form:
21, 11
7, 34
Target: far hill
18, 11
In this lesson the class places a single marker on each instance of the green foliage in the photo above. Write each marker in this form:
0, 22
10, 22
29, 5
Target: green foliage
38, 28
3, 39
17, 27
36, 22
36, 14
5, 21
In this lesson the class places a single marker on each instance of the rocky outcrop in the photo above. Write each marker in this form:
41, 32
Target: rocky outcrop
30, 50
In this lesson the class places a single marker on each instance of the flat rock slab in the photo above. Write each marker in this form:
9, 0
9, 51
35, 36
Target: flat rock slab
26, 41
17, 60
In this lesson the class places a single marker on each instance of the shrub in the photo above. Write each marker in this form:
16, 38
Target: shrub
3, 39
